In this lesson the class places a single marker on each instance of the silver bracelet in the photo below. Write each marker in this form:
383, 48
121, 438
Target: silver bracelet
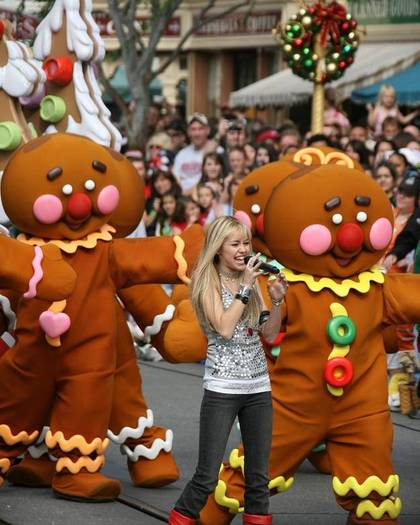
277, 303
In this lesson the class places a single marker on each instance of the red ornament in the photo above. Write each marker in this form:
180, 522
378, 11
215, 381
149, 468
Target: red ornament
342, 65
59, 70
345, 26
1, 29
353, 24
350, 60
298, 42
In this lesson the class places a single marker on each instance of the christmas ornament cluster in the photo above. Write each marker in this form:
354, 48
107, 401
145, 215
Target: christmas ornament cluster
337, 32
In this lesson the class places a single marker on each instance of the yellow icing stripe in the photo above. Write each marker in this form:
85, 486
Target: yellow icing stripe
4, 465
91, 465
338, 309
372, 483
221, 499
390, 506
281, 484
180, 260
341, 289
22, 437
77, 441
337, 392
237, 461
305, 156
90, 241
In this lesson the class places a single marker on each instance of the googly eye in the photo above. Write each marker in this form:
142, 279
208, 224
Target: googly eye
337, 218
90, 185
361, 216
256, 209
67, 189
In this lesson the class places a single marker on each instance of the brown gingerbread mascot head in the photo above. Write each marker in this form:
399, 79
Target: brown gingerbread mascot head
328, 219
252, 196
64, 186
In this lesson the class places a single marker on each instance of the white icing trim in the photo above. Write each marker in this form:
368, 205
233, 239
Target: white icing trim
152, 452
90, 125
40, 448
85, 46
158, 321
21, 74
130, 432
104, 113
8, 312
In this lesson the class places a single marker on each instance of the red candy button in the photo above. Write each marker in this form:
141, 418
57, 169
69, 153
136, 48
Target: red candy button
59, 70
338, 372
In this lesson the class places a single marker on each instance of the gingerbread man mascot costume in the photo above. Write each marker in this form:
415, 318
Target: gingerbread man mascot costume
62, 189
330, 382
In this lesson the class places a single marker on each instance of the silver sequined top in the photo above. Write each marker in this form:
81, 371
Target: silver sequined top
236, 365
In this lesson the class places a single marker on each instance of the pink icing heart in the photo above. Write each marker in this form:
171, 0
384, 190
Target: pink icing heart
54, 324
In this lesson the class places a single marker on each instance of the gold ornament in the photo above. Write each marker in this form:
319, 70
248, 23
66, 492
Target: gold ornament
302, 12
331, 67
287, 48
336, 56
315, 57
296, 57
348, 16
306, 21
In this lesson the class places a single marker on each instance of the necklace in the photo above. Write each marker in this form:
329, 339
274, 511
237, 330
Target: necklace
228, 276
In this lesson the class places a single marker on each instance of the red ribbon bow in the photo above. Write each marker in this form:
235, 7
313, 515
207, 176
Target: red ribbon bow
329, 18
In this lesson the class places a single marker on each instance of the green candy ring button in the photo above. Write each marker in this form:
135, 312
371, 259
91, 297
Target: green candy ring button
10, 136
341, 330
52, 109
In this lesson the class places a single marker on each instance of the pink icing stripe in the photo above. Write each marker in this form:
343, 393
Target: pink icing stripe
38, 274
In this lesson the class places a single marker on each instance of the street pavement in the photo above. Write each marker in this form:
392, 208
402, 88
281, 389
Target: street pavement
174, 394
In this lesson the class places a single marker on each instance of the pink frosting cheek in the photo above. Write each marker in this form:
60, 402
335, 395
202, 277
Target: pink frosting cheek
108, 199
315, 239
47, 209
244, 218
380, 234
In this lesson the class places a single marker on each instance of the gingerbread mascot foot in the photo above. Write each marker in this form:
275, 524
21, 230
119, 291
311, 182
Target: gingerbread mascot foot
176, 518
368, 520
32, 472
257, 519
86, 486
153, 473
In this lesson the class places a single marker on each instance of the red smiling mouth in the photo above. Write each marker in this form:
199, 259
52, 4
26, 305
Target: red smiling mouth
75, 224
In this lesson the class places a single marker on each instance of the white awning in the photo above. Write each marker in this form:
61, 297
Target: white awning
372, 62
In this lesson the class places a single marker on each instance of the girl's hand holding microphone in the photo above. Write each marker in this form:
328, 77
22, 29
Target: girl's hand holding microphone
277, 289
252, 271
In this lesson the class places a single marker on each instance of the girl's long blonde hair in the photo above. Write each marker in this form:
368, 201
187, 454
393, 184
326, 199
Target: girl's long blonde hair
205, 278
386, 88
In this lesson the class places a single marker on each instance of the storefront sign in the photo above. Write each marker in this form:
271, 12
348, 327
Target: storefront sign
240, 23
369, 12
23, 26
106, 25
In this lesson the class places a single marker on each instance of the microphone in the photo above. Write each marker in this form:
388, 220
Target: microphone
265, 267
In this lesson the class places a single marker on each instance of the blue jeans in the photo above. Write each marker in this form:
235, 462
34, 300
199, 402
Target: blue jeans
218, 412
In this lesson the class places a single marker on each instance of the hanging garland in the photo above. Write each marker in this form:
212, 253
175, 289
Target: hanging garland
337, 33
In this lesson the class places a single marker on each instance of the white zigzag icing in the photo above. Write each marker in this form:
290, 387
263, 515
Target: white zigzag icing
40, 448
152, 452
8, 312
79, 39
158, 321
130, 432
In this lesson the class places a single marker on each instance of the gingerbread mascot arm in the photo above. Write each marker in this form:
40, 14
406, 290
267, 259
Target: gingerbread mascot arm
156, 259
35, 272
401, 298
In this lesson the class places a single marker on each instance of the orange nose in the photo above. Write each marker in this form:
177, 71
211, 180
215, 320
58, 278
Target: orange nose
79, 206
350, 237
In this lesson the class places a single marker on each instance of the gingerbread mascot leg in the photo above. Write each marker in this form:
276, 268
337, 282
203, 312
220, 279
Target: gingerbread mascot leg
147, 447
23, 369
365, 488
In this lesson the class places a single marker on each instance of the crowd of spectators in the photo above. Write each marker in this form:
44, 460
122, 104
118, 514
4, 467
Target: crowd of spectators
192, 168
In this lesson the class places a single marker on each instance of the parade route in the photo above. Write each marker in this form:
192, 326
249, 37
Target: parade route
174, 394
